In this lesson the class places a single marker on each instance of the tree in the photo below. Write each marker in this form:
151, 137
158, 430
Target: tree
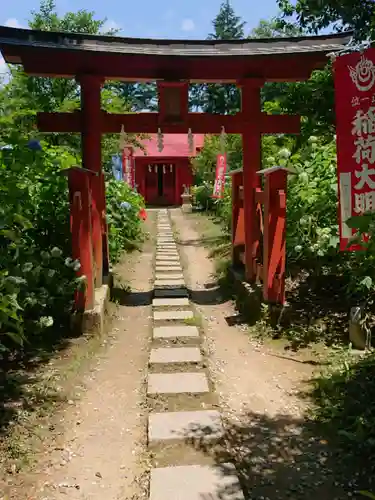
227, 26
216, 98
313, 99
275, 29
314, 15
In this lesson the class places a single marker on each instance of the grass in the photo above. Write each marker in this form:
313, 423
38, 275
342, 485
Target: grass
195, 321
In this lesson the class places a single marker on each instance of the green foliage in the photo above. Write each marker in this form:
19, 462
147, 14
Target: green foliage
312, 202
124, 223
212, 97
314, 15
37, 275
345, 403
363, 261
37, 281
227, 25
274, 28
204, 164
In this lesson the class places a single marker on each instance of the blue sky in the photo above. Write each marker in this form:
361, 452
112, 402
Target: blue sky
147, 18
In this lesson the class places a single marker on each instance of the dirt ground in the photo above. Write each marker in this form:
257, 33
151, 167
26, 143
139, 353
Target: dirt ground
277, 455
95, 448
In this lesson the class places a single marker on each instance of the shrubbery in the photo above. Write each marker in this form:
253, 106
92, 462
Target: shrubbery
37, 275
124, 223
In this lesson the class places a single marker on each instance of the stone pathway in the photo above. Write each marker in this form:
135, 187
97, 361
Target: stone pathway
178, 384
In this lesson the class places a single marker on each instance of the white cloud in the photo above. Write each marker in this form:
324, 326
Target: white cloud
12, 22
109, 25
187, 25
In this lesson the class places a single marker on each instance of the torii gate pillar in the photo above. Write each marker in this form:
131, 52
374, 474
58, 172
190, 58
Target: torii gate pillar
92, 159
251, 150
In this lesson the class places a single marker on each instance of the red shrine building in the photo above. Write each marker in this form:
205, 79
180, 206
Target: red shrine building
161, 176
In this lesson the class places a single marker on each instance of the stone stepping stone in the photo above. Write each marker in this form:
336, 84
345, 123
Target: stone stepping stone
167, 253
168, 269
165, 283
169, 276
167, 355
172, 315
195, 482
184, 425
166, 246
170, 302
167, 258
171, 292
171, 332
177, 383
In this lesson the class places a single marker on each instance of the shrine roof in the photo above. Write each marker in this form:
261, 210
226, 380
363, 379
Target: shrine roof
69, 54
175, 146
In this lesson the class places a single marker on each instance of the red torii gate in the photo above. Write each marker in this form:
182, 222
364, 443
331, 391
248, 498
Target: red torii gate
173, 64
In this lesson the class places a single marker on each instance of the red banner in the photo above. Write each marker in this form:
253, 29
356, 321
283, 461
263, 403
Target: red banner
221, 168
128, 167
355, 126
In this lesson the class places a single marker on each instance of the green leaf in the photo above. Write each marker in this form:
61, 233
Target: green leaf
367, 282
361, 222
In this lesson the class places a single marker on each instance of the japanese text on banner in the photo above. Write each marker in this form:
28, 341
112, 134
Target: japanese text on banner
128, 168
221, 167
355, 124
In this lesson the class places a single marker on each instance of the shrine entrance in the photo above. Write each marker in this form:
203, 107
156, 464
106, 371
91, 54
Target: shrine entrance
160, 184
174, 65
162, 175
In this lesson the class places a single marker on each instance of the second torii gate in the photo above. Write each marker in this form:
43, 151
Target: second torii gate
174, 64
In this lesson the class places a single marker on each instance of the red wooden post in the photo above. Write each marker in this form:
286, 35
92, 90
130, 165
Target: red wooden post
236, 184
274, 249
251, 146
91, 156
80, 222
177, 199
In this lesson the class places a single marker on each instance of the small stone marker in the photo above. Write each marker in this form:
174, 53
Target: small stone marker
184, 425
172, 302
170, 355
170, 332
173, 315
195, 482
177, 383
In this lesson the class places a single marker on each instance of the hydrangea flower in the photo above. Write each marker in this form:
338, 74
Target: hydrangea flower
56, 252
125, 204
34, 145
46, 321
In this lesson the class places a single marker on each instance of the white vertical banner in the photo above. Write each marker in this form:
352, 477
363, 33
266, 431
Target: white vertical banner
345, 186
